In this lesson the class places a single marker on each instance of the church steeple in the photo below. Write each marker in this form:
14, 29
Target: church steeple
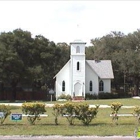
77, 47
78, 68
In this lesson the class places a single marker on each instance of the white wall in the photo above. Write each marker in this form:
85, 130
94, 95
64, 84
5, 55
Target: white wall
107, 85
78, 75
63, 75
73, 48
91, 76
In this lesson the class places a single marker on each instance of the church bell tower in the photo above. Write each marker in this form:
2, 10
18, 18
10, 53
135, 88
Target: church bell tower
77, 68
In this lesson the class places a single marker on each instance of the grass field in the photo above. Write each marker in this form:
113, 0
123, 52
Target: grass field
101, 126
124, 101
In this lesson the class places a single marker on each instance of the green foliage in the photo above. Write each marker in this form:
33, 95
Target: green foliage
86, 114
136, 112
57, 111
89, 96
64, 96
102, 122
106, 95
124, 52
115, 107
33, 110
97, 127
6, 110
27, 60
81, 112
69, 112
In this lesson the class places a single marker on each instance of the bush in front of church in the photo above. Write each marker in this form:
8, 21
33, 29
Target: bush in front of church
33, 110
64, 96
68, 111
89, 96
107, 95
57, 111
101, 95
5, 110
85, 113
80, 111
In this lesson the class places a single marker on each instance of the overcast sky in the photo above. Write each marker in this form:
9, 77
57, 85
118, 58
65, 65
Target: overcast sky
58, 20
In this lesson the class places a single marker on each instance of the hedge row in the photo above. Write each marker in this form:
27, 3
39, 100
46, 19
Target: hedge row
103, 95
71, 111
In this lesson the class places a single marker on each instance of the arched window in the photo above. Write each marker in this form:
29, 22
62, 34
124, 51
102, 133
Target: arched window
77, 49
90, 86
78, 66
63, 86
101, 86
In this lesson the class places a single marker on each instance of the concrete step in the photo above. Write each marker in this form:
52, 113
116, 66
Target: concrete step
79, 98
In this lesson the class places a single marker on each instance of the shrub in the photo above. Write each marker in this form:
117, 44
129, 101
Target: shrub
115, 107
6, 111
89, 96
33, 110
64, 96
57, 110
101, 95
69, 112
79, 111
136, 112
86, 114
107, 95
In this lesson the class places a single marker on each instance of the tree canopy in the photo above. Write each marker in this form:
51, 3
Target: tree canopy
25, 60
124, 51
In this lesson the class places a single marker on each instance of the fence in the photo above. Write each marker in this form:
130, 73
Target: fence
26, 95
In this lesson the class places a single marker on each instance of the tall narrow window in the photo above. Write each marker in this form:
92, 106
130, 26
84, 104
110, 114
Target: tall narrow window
63, 86
77, 49
78, 66
90, 86
101, 86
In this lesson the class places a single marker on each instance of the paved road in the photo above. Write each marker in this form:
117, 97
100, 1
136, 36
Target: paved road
66, 138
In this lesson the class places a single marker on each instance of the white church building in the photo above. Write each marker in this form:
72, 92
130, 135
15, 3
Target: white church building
80, 76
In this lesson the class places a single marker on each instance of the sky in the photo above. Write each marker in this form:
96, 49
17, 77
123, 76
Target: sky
66, 21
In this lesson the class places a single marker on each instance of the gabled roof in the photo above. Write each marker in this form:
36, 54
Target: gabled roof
62, 68
103, 68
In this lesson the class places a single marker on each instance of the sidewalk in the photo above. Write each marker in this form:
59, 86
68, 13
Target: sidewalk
66, 138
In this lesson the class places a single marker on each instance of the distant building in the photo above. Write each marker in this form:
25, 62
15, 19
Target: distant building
80, 76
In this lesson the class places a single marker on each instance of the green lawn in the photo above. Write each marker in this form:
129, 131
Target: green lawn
101, 126
125, 101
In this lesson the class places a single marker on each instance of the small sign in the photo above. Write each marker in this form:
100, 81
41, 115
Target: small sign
16, 117
1, 114
51, 91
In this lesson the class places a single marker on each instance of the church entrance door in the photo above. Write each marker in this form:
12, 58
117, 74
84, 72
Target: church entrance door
78, 89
